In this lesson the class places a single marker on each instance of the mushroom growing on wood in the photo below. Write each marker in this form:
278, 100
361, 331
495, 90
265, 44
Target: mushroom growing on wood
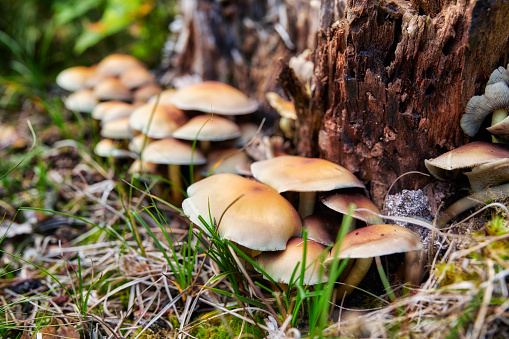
304, 175
365, 243
246, 212
449, 164
340, 202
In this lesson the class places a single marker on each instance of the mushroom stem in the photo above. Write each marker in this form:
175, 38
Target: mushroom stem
413, 267
174, 177
205, 146
355, 276
497, 116
306, 203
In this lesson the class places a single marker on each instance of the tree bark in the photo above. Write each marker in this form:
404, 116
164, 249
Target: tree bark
393, 79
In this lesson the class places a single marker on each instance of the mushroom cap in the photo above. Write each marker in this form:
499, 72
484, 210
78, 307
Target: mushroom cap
75, 78
208, 127
116, 129
157, 122
467, 156
247, 132
375, 241
116, 64
164, 97
139, 166
501, 130
489, 174
136, 142
112, 89
82, 100
300, 174
143, 94
225, 160
137, 76
171, 151
496, 96
340, 202
109, 148
284, 107
322, 229
249, 213
214, 97
280, 265
111, 110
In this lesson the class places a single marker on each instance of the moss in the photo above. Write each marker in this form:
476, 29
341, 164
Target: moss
225, 327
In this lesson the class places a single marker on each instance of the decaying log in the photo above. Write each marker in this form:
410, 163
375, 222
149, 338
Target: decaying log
393, 79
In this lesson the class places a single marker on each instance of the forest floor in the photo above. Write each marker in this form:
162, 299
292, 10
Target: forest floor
91, 253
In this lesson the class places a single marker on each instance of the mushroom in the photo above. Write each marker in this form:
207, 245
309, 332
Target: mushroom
173, 152
489, 174
214, 97
111, 110
75, 78
110, 148
286, 110
320, 228
304, 175
207, 128
136, 77
226, 160
365, 243
82, 100
280, 265
112, 89
340, 202
143, 94
157, 121
116, 64
139, 166
450, 164
246, 212
495, 99
116, 129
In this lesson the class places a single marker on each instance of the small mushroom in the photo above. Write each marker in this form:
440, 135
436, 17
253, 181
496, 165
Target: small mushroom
75, 78
82, 100
489, 174
246, 212
304, 175
112, 89
214, 97
207, 128
368, 242
450, 164
340, 202
136, 77
280, 265
157, 122
495, 100
173, 152
112, 110
320, 228
116, 64
286, 110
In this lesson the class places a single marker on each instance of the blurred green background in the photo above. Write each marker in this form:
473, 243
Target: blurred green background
39, 38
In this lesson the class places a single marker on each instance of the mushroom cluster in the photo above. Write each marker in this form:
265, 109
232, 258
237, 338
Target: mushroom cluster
253, 213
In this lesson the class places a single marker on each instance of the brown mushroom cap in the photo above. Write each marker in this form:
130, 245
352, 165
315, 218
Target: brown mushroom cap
225, 161
136, 77
489, 174
284, 107
171, 151
214, 97
340, 202
138, 142
82, 100
112, 89
116, 129
159, 122
249, 213
143, 94
322, 229
300, 174
467, 156
138, 166
112, 110
280, 265
116, 64
500, 130
375, 241
75, 78
164, 97
207, 127
110, 148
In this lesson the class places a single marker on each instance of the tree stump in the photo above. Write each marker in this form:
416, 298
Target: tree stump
393, 79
